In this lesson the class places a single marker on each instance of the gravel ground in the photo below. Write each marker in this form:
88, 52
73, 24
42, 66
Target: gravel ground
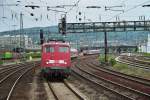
91, 91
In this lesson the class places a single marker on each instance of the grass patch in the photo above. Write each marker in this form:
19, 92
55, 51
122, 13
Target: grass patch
146, 54
124, 68
111, 59
120, 66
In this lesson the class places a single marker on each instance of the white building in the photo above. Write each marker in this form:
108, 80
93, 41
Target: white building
146, 47
10, 42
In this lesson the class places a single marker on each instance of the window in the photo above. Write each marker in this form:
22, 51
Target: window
49, 49
63, 49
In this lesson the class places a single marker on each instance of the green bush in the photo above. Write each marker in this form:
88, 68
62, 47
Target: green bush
136, 49
102, 59
112, 61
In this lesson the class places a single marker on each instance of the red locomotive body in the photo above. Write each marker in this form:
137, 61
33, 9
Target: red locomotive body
56, 59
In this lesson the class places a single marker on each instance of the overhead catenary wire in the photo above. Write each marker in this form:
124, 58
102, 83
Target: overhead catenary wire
14, 14
56, 10
76, 4
48, 7
129, 9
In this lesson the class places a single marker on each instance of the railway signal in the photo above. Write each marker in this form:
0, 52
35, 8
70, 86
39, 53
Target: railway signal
41, 36
63, 21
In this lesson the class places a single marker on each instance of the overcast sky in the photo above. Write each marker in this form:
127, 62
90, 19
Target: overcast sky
126, 10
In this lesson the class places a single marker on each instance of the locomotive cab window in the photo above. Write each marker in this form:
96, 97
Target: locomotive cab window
63, 49
49, 49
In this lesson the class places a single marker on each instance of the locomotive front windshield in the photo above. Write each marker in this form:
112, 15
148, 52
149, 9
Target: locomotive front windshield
63, 49
49, 49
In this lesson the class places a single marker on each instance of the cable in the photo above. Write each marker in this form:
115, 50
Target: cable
76, 4
129, 10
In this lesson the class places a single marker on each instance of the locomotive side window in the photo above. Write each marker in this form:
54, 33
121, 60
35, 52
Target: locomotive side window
63, 49
49, 49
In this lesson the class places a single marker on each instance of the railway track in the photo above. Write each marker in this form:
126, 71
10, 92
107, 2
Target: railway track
123, 91
9, 82
88, 77
139, 80
63, 91
133, 63
15, 83
6, 66
143, 60
7, 70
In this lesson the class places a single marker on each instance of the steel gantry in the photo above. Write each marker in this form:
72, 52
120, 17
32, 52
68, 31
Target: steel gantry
119, 26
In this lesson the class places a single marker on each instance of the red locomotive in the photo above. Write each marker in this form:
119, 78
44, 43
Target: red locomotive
56, 59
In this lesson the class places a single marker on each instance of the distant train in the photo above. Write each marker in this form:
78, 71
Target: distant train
56, 59
74, 53
6, 55
90, 52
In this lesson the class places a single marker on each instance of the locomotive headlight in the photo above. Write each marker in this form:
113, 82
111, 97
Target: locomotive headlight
61, 61
50, 62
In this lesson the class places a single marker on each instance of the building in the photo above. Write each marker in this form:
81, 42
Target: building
146, 47
9, 42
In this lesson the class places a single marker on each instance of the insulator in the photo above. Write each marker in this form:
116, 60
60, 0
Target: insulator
31, 14
79, 13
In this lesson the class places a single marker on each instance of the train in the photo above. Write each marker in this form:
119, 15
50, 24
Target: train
56, 59
6, 55
91, 52
74, 53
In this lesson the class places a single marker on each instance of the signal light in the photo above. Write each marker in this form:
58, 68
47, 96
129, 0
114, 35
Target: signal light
63, 25
41, 36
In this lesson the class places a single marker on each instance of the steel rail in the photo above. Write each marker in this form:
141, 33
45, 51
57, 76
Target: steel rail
130, 77
122, 75
142, 61
14, 85
106, 88
53, 92
70, 88
2, 80
132, 64
77, 94
8, 68
130, 89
